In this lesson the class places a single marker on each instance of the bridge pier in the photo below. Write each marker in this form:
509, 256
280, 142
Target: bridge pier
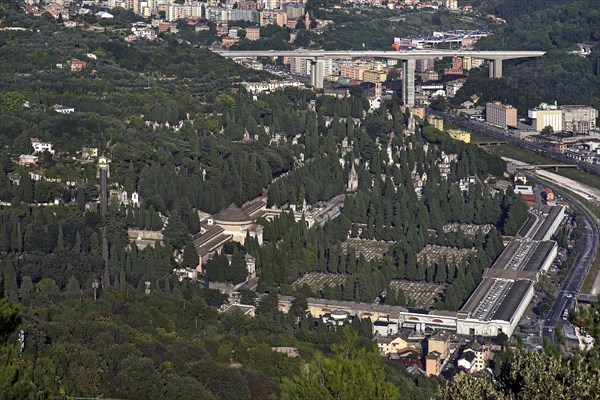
408, 82
495, 68
316, 73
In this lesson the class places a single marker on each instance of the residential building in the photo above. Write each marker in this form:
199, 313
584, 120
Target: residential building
390, 344
440, 342
300, 66
477, 62
201, 28
104, 15
40, 147
164, 27
273, 17
453, 87
33, 10
451, 4
472, 62
189, 9
222, 29
352, 72
548, 194
294, 11
438, 350
467, 63
258, 87
474, 357
502, 115
546, 115
26, 159
418, 112
457, 63
240, 14
436, 122
467, 42
433, 364
453, 71
578, 119
228, 41
520, 177
270, 4
214, 13
253, 33
430, 75
424, 64
77, 65
62, 109
460, 135
374, 76
143, 31
384, 327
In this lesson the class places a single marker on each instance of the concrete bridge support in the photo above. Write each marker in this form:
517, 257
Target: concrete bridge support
495, 68
316, 73
408, 82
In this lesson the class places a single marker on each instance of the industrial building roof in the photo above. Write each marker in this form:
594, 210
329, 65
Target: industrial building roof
496, 299
508, 307
539, 256
548, 222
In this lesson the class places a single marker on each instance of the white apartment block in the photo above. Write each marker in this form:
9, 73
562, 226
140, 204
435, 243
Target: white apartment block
302, 66
189, 9
270, 4
580, 119
40, 147
217, 14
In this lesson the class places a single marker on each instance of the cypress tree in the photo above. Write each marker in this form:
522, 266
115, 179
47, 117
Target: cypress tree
190, 256
11, 290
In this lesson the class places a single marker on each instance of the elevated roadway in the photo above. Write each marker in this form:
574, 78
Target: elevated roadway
408, 61
400, 55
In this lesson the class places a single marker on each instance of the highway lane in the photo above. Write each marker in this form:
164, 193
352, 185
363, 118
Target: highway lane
404, 55
577, 274
500, 134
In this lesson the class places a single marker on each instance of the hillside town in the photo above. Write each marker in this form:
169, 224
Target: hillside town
313, 199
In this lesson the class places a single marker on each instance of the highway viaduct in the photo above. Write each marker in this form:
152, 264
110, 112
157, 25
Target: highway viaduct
408, 61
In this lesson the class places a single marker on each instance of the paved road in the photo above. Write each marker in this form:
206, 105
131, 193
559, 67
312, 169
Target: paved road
572, 284
500, 134
404, 55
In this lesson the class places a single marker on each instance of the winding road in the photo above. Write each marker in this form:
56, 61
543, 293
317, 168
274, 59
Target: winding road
589, 247
582, 263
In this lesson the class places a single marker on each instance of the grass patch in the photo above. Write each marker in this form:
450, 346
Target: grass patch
581, 176
590, 278
517, 153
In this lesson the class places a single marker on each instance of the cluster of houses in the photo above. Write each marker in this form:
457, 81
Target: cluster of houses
429, 352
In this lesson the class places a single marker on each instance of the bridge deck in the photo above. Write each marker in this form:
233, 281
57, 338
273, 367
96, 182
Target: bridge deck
404, 55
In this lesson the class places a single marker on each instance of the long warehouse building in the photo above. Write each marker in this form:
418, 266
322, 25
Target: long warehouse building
499, 301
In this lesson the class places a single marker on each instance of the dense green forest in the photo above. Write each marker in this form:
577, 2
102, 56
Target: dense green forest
168, 344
